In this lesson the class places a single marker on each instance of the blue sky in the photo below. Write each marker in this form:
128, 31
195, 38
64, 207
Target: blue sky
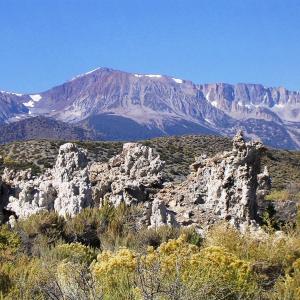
44, 43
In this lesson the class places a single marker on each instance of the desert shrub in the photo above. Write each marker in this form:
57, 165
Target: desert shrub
120, 228
156, 236
175, 270
215, 273
40, 230
269, 221
298, 221
75, 282
208, 273
288, 287
8, 160
25, 276
108, 227
85, 226
161, 263
51, 275
9, 243
279, 195
276, 248
115, 272
74, 252
20, 164
9, 246
270, 253
116, 227
45, 223
5, 283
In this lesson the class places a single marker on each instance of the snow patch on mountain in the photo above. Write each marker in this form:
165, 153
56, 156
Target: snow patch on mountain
87, 73
36, 98
11, 93
177, 80
280, 105
214, 103
30, 103
148, 75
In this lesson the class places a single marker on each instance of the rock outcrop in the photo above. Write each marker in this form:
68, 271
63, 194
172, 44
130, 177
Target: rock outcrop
224, 187
131, 176
227, 186
281, 212
1, 198
65, 188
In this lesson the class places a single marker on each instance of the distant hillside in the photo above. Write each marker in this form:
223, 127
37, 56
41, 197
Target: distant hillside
178, 152
42, 128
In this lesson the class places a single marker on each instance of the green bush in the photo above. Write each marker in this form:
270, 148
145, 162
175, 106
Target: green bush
74, 252
282, 195
85, 226
41, 230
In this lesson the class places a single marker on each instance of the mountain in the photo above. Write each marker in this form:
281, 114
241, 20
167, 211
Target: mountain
126, 106
11, 105
42, 128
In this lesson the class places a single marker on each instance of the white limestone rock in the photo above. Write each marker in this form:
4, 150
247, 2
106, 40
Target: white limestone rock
161, 216
65, 188
224, 187
127, 177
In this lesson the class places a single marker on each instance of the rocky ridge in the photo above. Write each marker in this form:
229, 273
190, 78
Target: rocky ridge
225, 187
39, 127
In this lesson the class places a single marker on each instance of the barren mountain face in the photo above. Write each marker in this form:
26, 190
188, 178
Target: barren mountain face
127, 106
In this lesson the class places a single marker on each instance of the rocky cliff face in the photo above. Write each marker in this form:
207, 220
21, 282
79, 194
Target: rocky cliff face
11, 105
254, 100
128, 106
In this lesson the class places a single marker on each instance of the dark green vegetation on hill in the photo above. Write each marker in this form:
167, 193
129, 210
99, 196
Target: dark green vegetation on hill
178, 152
43, 128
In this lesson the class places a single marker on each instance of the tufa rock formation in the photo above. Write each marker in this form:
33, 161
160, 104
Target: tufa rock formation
65, 189
225, 187
132, 176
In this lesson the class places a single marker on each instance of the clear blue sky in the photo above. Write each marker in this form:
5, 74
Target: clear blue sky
46, 42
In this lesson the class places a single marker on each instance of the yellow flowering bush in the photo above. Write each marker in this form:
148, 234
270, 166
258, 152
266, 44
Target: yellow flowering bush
289, 286
26, 277
115, 272
75, 281
215, 269
170, 256
194, 269
158, 264
175, 269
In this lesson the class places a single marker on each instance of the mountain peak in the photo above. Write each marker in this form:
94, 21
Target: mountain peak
124, 105
87, 73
